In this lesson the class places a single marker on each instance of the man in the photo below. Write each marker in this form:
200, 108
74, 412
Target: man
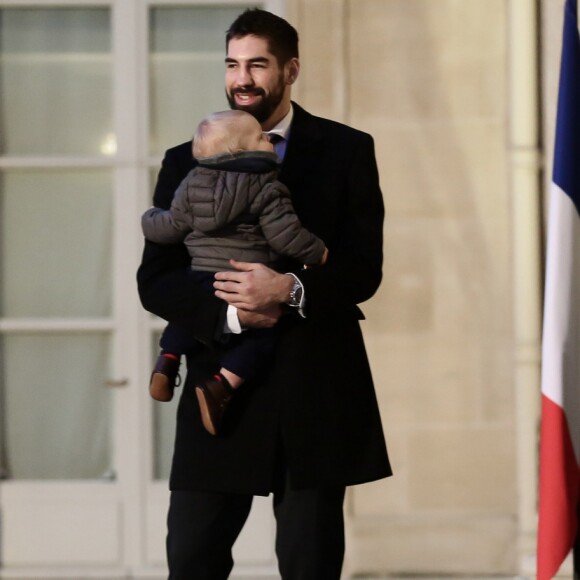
310, 426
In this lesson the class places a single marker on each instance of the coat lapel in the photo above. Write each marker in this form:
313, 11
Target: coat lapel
301, 153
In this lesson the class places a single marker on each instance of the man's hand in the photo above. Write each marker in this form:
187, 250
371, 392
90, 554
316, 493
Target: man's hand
264, 319
253, 287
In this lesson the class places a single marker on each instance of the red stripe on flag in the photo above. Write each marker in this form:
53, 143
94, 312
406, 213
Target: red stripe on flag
559, 491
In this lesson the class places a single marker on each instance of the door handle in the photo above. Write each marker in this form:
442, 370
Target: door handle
116, 383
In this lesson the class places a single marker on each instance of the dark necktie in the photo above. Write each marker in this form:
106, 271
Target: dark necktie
279, 144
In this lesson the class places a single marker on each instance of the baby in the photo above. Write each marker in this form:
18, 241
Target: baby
230, 206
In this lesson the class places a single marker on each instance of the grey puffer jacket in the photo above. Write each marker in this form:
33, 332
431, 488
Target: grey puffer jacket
222, 214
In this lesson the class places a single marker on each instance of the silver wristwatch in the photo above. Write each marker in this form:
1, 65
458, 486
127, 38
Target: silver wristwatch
295, 293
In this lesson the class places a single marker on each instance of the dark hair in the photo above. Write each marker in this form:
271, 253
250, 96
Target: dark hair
281, 37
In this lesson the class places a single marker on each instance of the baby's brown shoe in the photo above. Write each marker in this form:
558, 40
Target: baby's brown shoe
213, 396
164, 378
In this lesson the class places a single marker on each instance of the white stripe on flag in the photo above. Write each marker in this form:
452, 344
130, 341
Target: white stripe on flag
560, 342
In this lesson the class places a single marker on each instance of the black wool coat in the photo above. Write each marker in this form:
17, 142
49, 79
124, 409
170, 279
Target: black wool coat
315, 402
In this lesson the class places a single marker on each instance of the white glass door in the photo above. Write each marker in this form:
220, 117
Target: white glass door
59, 494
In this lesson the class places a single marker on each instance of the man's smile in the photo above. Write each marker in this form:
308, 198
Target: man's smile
247, 97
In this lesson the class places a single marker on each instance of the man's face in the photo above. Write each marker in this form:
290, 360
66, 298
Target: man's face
255, 83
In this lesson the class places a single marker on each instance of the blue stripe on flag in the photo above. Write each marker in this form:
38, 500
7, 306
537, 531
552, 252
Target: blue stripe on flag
567, 149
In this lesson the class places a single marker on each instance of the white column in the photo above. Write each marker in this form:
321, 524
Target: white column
526, 194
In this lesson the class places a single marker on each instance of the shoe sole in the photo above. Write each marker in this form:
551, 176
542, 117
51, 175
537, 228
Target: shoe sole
204, 410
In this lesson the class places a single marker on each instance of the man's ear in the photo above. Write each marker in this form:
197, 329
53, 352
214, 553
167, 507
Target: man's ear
292, 71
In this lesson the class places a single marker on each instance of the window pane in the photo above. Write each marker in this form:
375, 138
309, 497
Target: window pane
55, 411
55, 243
55, 79
187, 51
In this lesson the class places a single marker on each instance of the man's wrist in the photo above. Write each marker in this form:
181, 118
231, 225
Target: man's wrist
286, 285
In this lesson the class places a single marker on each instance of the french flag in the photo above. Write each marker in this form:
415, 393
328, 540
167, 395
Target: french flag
559, 492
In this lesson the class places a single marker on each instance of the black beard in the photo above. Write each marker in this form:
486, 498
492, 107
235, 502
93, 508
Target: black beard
262, 110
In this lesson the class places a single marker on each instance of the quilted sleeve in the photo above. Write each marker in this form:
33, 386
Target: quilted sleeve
283, 230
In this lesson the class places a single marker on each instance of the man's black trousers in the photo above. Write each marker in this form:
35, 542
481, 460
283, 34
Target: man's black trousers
203, 527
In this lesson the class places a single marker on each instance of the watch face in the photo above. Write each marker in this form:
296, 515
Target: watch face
296, 294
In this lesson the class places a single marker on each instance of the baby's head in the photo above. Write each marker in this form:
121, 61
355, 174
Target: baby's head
229, 132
